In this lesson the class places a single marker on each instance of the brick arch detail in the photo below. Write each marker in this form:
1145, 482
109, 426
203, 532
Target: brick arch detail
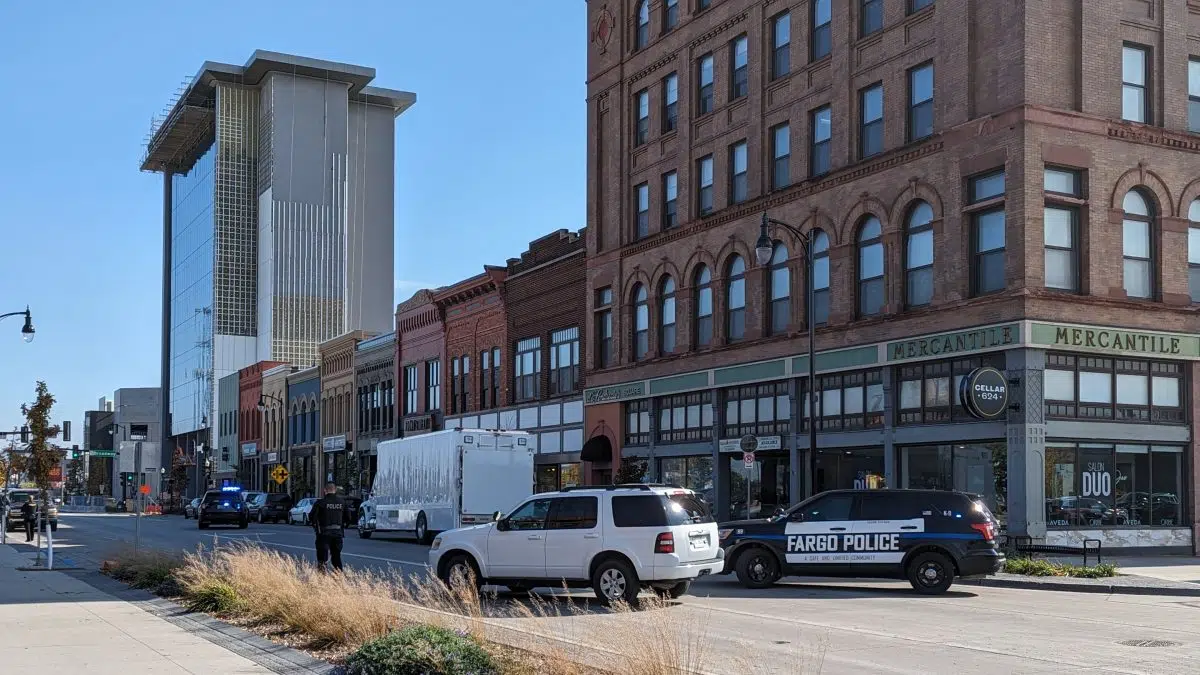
867, 206
634, 278
699, 257
665, 268
1189, 194
916, 190
1147, 180
819, 220
734, 245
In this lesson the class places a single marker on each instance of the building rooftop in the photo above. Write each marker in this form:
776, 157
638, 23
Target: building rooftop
185, 130
378, 341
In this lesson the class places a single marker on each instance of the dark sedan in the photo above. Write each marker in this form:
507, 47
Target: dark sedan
223, 507
276, 508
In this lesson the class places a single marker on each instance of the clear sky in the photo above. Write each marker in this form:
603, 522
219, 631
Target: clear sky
491, 156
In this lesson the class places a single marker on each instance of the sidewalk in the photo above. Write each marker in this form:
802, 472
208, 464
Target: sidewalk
55, 622
1136, 575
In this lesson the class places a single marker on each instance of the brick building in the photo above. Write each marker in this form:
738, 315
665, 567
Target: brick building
339, 459
1005, 184
420, 345
250, 423
375, 391
476, 329
274, 417
303, 432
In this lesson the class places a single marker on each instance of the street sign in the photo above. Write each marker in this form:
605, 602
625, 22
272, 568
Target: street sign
748, 459
749, 443
279, 474
145, 489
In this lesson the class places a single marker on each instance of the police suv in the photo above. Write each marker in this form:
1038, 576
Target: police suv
926, 536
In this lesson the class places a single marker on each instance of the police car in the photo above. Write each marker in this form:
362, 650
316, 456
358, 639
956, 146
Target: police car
926, 536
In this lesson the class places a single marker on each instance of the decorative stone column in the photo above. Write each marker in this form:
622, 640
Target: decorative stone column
1026, 433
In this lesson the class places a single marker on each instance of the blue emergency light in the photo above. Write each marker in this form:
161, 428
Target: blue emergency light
231, 488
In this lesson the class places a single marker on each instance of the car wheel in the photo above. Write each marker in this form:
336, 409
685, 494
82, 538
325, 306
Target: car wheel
461, 568
677, 591
930, 573
757, 568
423, 530
615, 580
364, 534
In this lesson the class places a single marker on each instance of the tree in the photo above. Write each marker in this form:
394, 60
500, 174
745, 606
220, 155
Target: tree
43, 457
10, 463
74, 484
99, 482
632, 470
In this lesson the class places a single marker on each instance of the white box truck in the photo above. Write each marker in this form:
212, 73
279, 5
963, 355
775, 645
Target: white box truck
447, 479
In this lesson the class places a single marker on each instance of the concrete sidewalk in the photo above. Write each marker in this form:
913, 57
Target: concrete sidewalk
1177, 576
53, 622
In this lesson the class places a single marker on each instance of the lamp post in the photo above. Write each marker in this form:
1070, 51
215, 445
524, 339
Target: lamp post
27, 331
764, 248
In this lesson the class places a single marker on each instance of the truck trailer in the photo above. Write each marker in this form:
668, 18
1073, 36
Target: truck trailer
447, 479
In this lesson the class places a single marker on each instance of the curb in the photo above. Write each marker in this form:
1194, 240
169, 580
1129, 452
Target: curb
1175, 591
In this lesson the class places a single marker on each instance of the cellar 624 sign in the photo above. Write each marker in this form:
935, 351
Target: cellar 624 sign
984, 393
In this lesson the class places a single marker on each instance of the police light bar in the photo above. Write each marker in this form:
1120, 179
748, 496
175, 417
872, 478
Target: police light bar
231, 488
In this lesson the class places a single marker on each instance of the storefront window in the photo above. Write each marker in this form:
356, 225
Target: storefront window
761, 410
694, 473
685, 418
637, 422
758, 490
551, 477
847, 401
854, 469
1124, 390
979, 468
1106, 485
928, 392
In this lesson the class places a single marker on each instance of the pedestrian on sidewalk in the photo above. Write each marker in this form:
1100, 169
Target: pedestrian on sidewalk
27, 514
326, 518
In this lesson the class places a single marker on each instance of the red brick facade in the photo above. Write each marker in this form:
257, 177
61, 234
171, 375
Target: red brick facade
475, 322
249, 417
420, 340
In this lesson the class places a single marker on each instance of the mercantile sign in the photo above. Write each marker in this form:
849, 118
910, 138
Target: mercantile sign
1117, 340
950, 344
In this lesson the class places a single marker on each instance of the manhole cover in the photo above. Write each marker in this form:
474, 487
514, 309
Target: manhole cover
1148, 643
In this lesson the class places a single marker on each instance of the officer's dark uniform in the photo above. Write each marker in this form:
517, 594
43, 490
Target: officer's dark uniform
27, 513
326, 518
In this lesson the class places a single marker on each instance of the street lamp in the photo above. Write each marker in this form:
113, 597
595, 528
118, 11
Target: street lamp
27, 331
262, 401
764, 248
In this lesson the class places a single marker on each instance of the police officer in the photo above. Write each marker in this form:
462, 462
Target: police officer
27, 514
326, 518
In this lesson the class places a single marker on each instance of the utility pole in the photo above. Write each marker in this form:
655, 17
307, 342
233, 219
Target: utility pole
137, 526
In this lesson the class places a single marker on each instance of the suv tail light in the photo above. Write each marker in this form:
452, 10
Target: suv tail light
665, 543
986, 529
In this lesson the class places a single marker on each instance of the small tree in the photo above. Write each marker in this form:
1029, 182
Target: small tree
99, 480
10, 463
43, 457
632, 470
74, 483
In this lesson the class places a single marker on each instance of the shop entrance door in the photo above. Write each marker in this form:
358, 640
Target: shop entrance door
973, 472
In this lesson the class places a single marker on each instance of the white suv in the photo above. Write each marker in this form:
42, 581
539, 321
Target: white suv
616, 539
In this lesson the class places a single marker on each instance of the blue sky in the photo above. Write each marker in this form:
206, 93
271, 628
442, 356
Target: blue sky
491, 156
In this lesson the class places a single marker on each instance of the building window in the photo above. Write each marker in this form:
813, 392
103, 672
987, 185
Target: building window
781, 55
564, 361
464, 388
987, 233
739, 66
1194, 249
642, 36
496, 376
1194, 95
920, 102
870, 110
871, 289
685, 418
670, 14
846, 402
704, 177
1135, 71
918, 5
666, 313
637, 422
702, 5
642, 101
781, 290
820, 309
821, 131
489, 378
737, 173
736, 300
604, 327
455, 374
918, 255
410, 390
670, 102
758, 409
1138, 246
706, 85
641, 323
781, 154
1123, 390
433, 385
928, 392
822, 34
1114, 485
641, 196
670, 217
527, 366
1060, 224
871, 18
704, 307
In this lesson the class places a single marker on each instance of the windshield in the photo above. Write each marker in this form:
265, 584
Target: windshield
19, 497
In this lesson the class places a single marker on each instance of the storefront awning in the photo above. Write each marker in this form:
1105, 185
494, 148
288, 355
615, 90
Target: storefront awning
597, 449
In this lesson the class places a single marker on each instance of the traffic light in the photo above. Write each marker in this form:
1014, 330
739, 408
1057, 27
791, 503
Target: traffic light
25, 434
66, 431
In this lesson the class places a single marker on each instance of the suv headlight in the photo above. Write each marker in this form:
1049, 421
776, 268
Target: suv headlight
437, 542
724, 534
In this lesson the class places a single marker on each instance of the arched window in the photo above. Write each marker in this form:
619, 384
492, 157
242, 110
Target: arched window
642, 38
781, 290
820, 277
704, 307
1194, 250
666, 308
736, 306
918, 256
641, 323
871, 293
1138, 246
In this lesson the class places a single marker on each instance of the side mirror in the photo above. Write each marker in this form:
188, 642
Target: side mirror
502, 525
496, 516
779, 513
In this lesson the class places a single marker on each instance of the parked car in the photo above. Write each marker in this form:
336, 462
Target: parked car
299, 512
17, 498
618, 539
275, 508
353, 505
223, 507
254, 502
192, 508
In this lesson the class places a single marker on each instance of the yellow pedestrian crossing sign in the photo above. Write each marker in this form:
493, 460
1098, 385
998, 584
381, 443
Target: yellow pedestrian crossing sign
280, 474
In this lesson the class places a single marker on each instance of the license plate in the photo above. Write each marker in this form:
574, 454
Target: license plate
699, 543
704, 572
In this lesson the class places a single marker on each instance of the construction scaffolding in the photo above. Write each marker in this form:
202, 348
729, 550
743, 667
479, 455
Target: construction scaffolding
181, 132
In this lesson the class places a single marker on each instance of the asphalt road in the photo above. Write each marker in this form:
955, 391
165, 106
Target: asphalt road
814, 626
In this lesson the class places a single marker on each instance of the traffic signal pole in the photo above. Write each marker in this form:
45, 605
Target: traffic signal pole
137, 468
